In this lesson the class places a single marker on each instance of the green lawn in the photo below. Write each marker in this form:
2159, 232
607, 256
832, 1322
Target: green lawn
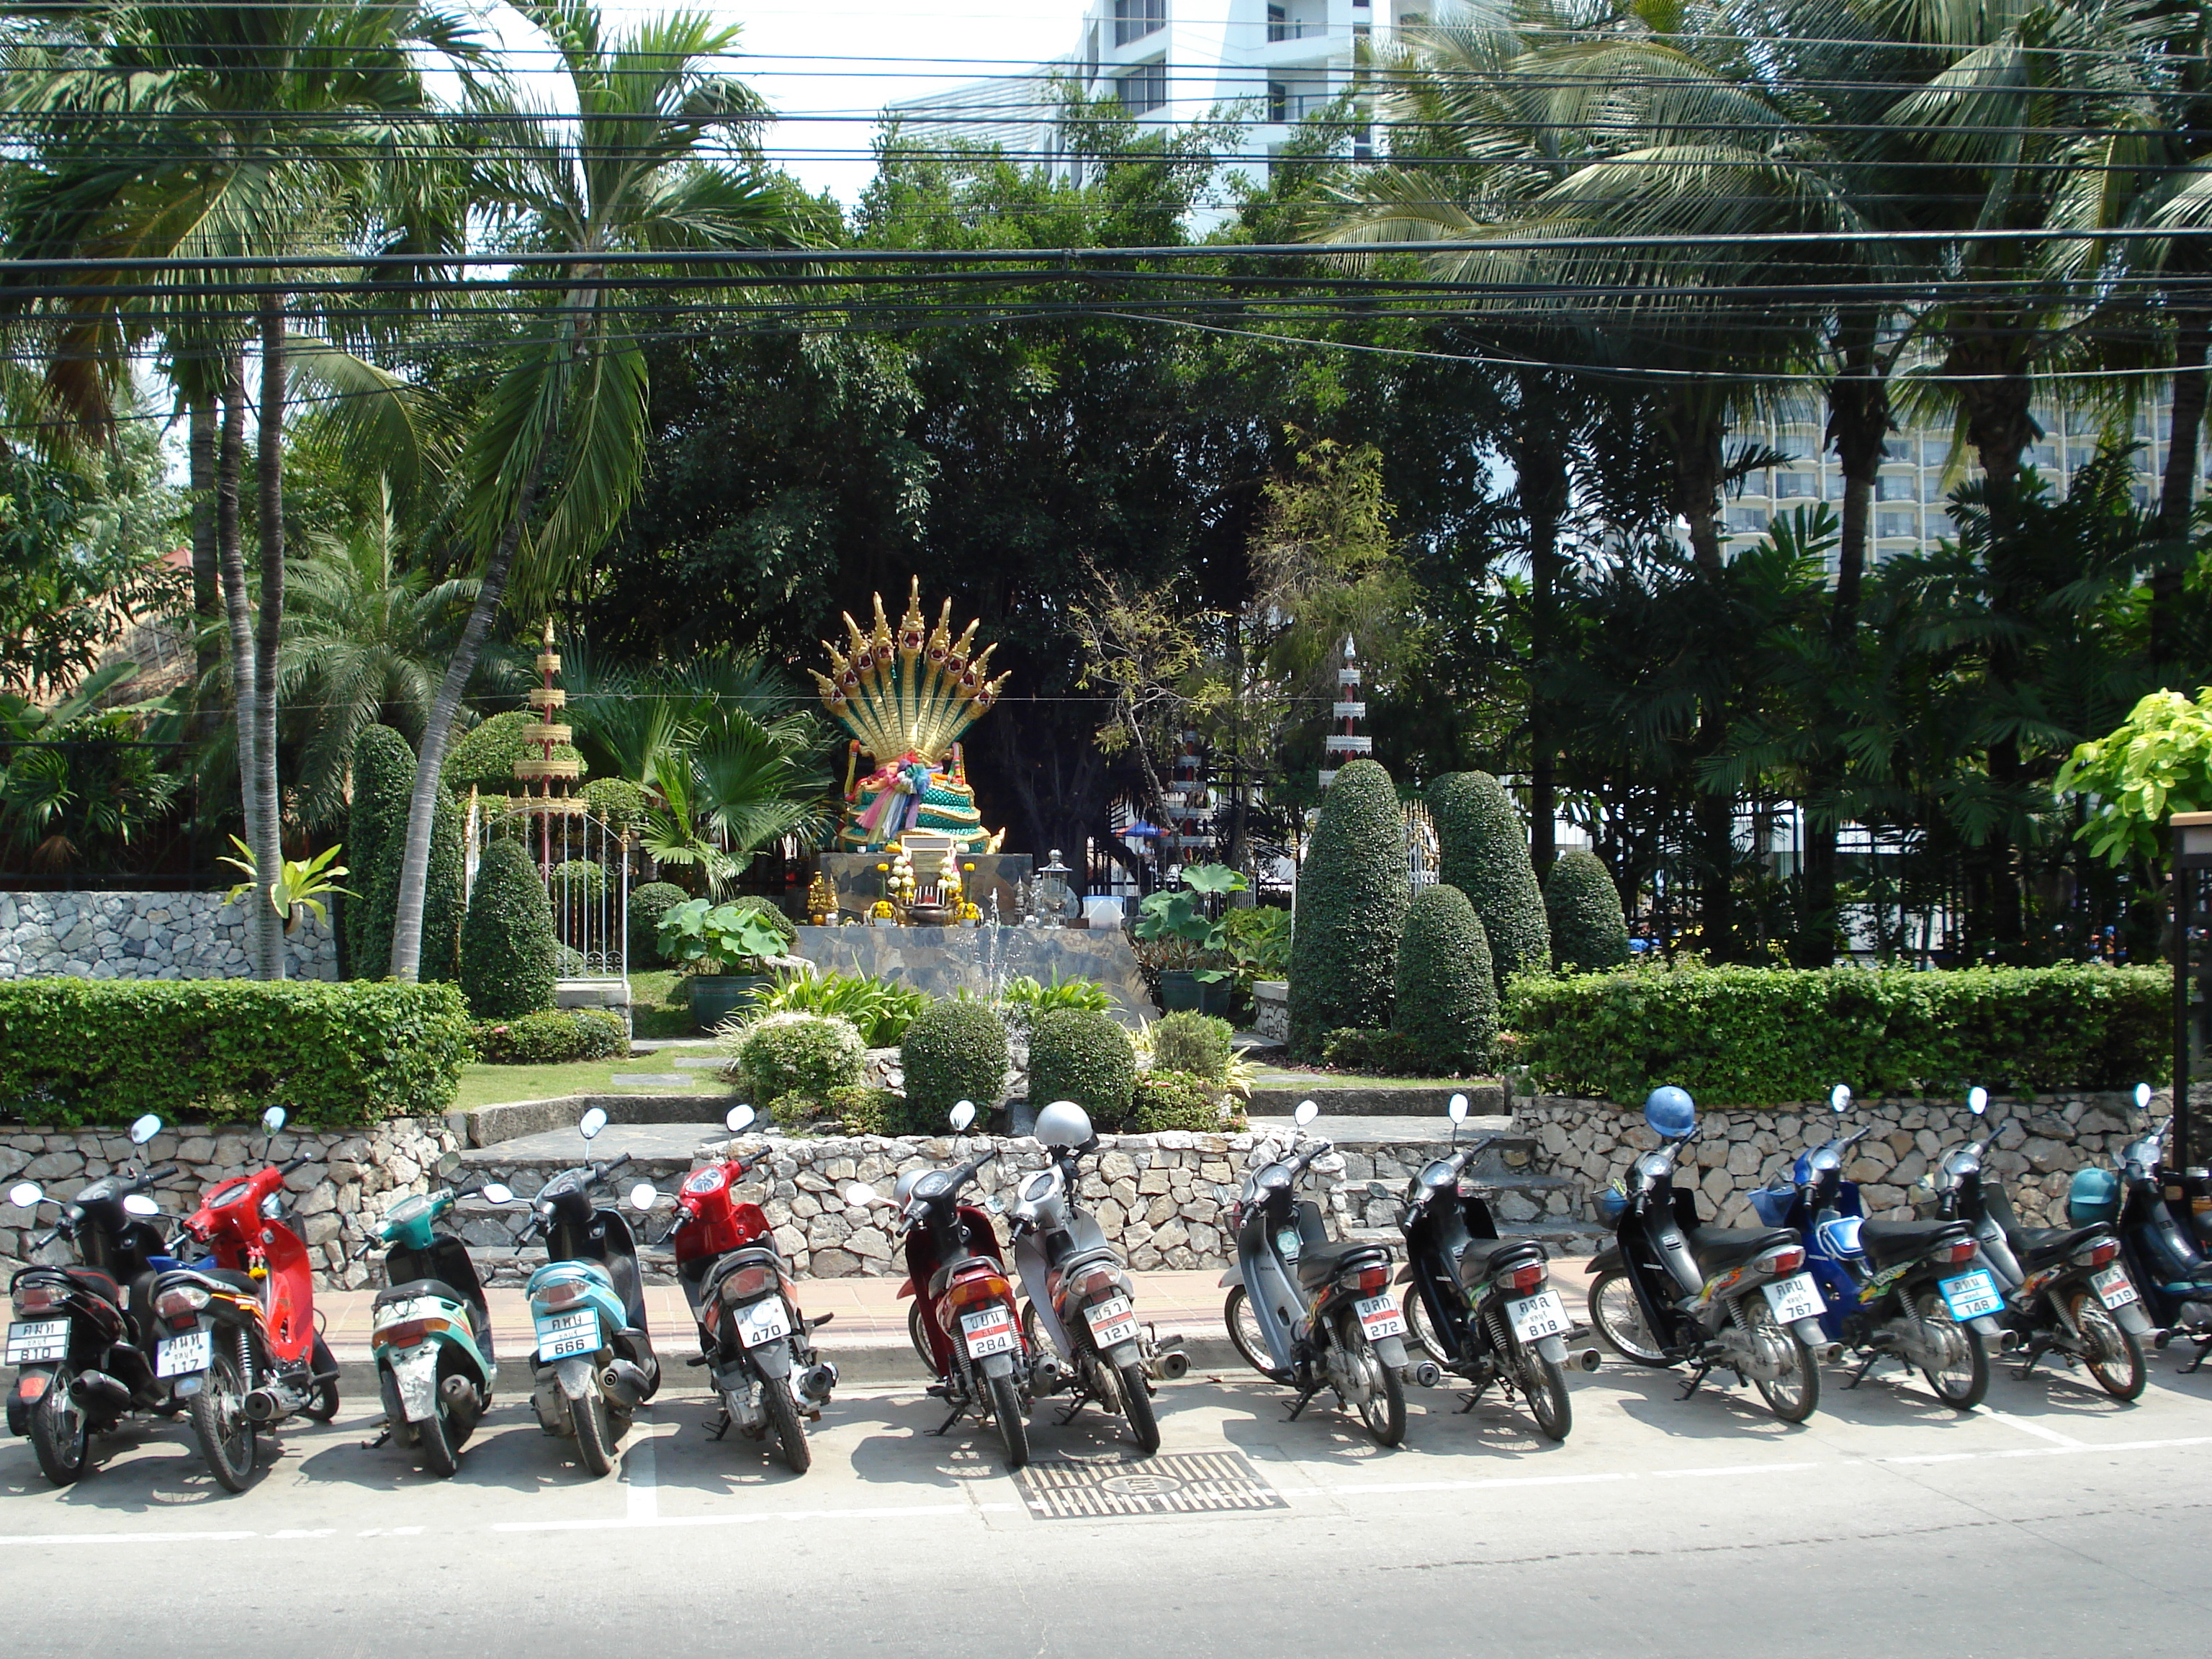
660, 1006
492, 1086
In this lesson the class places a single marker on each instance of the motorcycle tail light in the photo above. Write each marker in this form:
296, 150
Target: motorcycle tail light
1373, 1279
1956, 1253
408, 1334
747, 1283
180, 1302
1097, 1282
983, 1288
561, 1292
2098, 1254
1779, 1262
1526, 1279
39, 1298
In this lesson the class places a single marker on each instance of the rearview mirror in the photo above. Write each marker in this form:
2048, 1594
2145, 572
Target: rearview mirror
1839, 1098
139, 1204
738, 1119
592, 1122
496, 1192
2143, 1097
643, 1196
860, 1197
1978, 1100
448, 1166
24, 1193
963, 1114
1455, 1108
273, 1119
145, 1129
1307, 1113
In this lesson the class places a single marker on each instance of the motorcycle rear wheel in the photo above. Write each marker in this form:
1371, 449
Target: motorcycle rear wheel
1960, 1386
1013, 1423
790, 1432
1617, 1317
1543, 1384
2110, 1349
1244, 1331
441, 1451
1137, 1406
1384, 1410
59, 1434
595, 1431
1792, 1403
218, 1413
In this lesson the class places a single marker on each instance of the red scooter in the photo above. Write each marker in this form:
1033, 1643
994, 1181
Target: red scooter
236, 1334
757, 1346
964, 1303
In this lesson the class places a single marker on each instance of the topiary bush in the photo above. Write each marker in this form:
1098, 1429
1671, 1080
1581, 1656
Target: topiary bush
647, 905
553, 1038
616, 802
955, 1050
375, 842
483, 757
1376, 1054
1082, 1055
1484, 851
1176, 1100
506, 943
1583, 906
1351, 899
1192, 1042
792, 1054
444, 903
580, 881
1447, 1003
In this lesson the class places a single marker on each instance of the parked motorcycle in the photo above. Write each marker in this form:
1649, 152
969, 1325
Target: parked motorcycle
1082, 1307
430, 1329
1314, 1312
956, 1274
2157, 1212
594, 1363
1673, 1291
79, 1339
756, 1345
1899, 1290
237, 1334
1480, 1306
2065, 1290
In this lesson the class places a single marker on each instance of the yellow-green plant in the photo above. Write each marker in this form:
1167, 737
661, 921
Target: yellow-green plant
301, 884
2157, 760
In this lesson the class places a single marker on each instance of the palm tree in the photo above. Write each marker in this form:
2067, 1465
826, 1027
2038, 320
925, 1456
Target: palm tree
633, 170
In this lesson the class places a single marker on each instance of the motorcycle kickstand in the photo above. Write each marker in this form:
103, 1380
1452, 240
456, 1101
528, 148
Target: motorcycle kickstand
2203, 1347
1474, 1399
383, 1438
1069, 1417
2036, 1349
959, 1411
1860, 1375
720, 1424
1697, 1381
1305, 1399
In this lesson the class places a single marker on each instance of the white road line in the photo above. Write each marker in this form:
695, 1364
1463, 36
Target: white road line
2026, 1427
889, 1512
127, 1538
638, 1473
1733, 1469
1403, 1487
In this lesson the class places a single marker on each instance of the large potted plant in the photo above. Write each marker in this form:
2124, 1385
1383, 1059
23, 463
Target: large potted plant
1179, 936
728, 953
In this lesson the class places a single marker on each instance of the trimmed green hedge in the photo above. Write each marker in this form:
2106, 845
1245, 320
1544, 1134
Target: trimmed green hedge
1447, 1003
647, 905
376, 840
80, 1051
506, 943
1765, 1036
1186, 1041
1080, 1054
1588, 930
1483, 850
445, 902
553, 1038
955, 1050
1352, 898
485, 755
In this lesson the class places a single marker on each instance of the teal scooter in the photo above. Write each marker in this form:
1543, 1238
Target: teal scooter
430, 1327
595, 1365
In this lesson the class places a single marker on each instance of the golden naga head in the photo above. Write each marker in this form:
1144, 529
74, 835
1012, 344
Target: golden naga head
913, 688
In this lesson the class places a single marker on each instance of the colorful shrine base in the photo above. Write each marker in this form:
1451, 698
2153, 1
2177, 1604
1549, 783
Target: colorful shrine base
854, 878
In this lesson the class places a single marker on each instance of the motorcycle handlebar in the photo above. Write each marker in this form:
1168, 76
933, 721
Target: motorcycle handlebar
152, 1175
601, 1172
299, 1162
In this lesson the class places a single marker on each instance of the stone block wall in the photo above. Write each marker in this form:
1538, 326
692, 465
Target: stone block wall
144, 936
2040, 1141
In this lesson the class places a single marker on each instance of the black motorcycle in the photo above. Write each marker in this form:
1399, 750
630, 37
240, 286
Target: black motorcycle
2160, 1213
79, 1338
1480, 1306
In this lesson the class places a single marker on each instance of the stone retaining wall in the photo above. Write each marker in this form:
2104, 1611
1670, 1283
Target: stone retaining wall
2040, 1141
144, 936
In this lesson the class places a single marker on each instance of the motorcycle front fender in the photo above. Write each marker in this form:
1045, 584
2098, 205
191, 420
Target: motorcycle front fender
1234, 1276
1553, 1348
414, 1375
1125, 1353
1809, 1332
574, 1377
1391, 1351
2134, 1321
1605, 1259
771, 1358
1987, 1324
996, 1364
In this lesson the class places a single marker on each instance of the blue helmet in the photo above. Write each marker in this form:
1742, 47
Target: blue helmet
1670, 1111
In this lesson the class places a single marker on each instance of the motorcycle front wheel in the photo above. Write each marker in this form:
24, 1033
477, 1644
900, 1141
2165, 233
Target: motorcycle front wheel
1137, 1406
2109, 1349
595, 1431
790, 1432
1383, 1410
322, 1403
1962, 1384
1543, 1384
1013, 1423
218, 1411
1244, 1331
919, 1335
59, 1433
1617, 1316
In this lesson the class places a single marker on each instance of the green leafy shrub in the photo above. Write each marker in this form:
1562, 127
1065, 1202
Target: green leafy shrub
779, 1054
578, 881
1079, 1054
376, 840
736, 937
1588, 930
1035, 996
1376, 1054
506, 943
1484, 848
868, 1111
1176, 1100
77, 1052
616, 802
1764, 1036
1447, 1001
798, 1115
1192, 1042
647, 905
1259, 942
879, 1008
445, 902
955, 1050
554, 1037
483, 757
1351, 897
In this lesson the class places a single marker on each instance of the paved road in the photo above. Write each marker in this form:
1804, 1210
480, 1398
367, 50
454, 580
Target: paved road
2057, 1523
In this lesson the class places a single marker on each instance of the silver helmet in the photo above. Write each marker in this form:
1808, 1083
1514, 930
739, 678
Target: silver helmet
1063, 1123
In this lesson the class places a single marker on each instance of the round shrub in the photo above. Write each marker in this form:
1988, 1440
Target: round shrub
1484, 849
616, 802
580, 881
648, 904
780, 1055
1176, 1100
868, 1111
1351, 899
1080, 1054
1583, 907
506, 943
483, 757
955, 1050
1192, 1042
1447, 1006
444, 906
553, 1038
375, 842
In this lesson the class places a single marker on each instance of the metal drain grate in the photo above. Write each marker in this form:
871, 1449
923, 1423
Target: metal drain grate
1194, 1483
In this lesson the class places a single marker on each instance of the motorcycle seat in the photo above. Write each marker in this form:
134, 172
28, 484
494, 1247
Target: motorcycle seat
1486, 1258
2041, 1247
1098, 1256
417, 1287
1717, 1247
98, 1283
1319, 1263
1888, 1242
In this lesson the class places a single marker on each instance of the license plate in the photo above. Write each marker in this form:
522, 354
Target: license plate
38, 1341
568, 1335
1379, 1317
1795, 1298
2114, 1289
764, 1321
991, 1331
184, 1356
1534, 1317
1112, 1321
1971, 1295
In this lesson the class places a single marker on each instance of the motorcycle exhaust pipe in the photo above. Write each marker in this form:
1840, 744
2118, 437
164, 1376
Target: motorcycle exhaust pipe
816, 1382
263, 1405
97, 1392
1046, 1375
1426, 1374
1589, 1359
1830, 1353
624, 1384
1174, 1365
